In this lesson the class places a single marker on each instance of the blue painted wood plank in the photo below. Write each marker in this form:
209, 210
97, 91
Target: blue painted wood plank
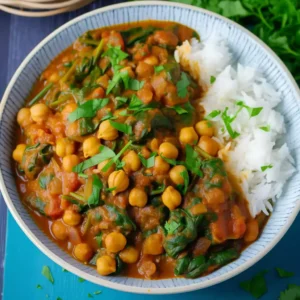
24, 262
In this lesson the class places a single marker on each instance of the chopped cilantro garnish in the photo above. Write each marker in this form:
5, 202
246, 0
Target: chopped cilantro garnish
183, 188
97, 292
265, 128
212, 79
193, 161
172, 226
291, 293
47, 273
115, 54
182, 85
121, 101
87, 109
127, 129
264, 168
98, 239
81, 279
179, 109
90, 295
256, 286
108, 116
253, 111
283, 273
158, 69
158, 190
64, 270
82, 175
227, 122
94, 198
170, 161
39, 286
148, 162
213, 114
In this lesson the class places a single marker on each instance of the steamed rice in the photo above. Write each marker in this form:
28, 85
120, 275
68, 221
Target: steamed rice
257, 156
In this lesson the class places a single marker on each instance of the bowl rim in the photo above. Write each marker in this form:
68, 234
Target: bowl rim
101, 280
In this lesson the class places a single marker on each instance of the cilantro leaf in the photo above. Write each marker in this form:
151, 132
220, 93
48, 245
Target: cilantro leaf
256, 286
87, 109
121, 101
170, 161
158, 190
193, 161
94, 198
184, 187
148, 162
97, 292
213, 114
158, 69
44, 180
264, 168
105, 153
182, 85
127, 129
265, 128
227, 122
291, 293
283, 273
253, 111
179, 109
109, 116
47, 273
137, 105
98, 239
115, 54
172, 226
212, 79
81, 279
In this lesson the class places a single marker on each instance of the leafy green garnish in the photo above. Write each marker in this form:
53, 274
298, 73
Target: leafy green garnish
127, 129
41, 94
193, 161
170, 161
256, 286
179, 109
265, 128
81, 279
108, 116
227, 122
115, 54
283, 273
172, 226
105, 153
94, 198
87, 109
98, 239
44, 180
158, 69
90, 295
253, 111
213, 114
137, 105
97, 293
264, 168
38, 286
148, 162
121, 101
182, 85
212, 79
184, 187
47, 273
158, 190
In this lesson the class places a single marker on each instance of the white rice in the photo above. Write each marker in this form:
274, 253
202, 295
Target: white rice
254, 148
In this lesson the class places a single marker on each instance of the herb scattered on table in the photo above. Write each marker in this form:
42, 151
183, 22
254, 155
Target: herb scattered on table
291, 293
81, 279
97, 292
47, 273
39, 286
283, 273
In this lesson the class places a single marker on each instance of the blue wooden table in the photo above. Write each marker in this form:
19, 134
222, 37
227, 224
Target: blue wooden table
21, 278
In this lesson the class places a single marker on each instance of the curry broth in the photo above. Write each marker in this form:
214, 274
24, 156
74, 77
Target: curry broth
231, 224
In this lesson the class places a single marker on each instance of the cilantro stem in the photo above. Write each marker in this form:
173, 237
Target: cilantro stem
98, 51
70, 72
203, 153
41, 94
77, 196
89, 42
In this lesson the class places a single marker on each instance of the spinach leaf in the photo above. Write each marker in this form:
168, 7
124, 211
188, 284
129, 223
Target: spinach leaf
197, 266
98, 239
182, 265
127, 129
192, 161
44, 180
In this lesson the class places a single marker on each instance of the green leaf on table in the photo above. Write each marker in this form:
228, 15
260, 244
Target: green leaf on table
81, 279
88, 109
256, 286
283, 273
47, 273
97, 292
291, 293
39, 287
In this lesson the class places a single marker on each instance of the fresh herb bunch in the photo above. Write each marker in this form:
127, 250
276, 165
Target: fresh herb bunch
276, 22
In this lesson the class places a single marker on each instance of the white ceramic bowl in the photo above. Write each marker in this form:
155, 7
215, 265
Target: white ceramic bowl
246, 48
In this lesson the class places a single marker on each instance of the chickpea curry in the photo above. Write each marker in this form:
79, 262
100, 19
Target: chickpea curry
117, 164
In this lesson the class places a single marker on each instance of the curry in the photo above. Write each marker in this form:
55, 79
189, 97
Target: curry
117, 165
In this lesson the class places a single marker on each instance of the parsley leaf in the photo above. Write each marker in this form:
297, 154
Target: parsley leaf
105, 153
283, 273
256, 286
182, 85
94, 198
47, 273
148, 162
87, 109
264, 168
127, 129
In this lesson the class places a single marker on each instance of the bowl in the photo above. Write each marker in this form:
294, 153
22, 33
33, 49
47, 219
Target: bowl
244, 46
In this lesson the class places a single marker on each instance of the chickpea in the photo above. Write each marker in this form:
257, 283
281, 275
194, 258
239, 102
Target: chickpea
198, 209
69, 162
115, 242
64, 147
252, 231
151, 60
132, 162
129, 255
154, 144
215, 196
19, 152
188, 135
161, 167
144, 70
171, 198
168, 150
59, 230
71, 217
147, 268
145, 94
109, 171
106, 265
153, 245
83, 252
208, 145
24, 117
70, 107
107, 132
118, 180
39, 112
54, 77
176, 174
90, 146
138, 197
205, 128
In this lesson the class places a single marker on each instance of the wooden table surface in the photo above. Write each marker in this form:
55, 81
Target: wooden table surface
18, 36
